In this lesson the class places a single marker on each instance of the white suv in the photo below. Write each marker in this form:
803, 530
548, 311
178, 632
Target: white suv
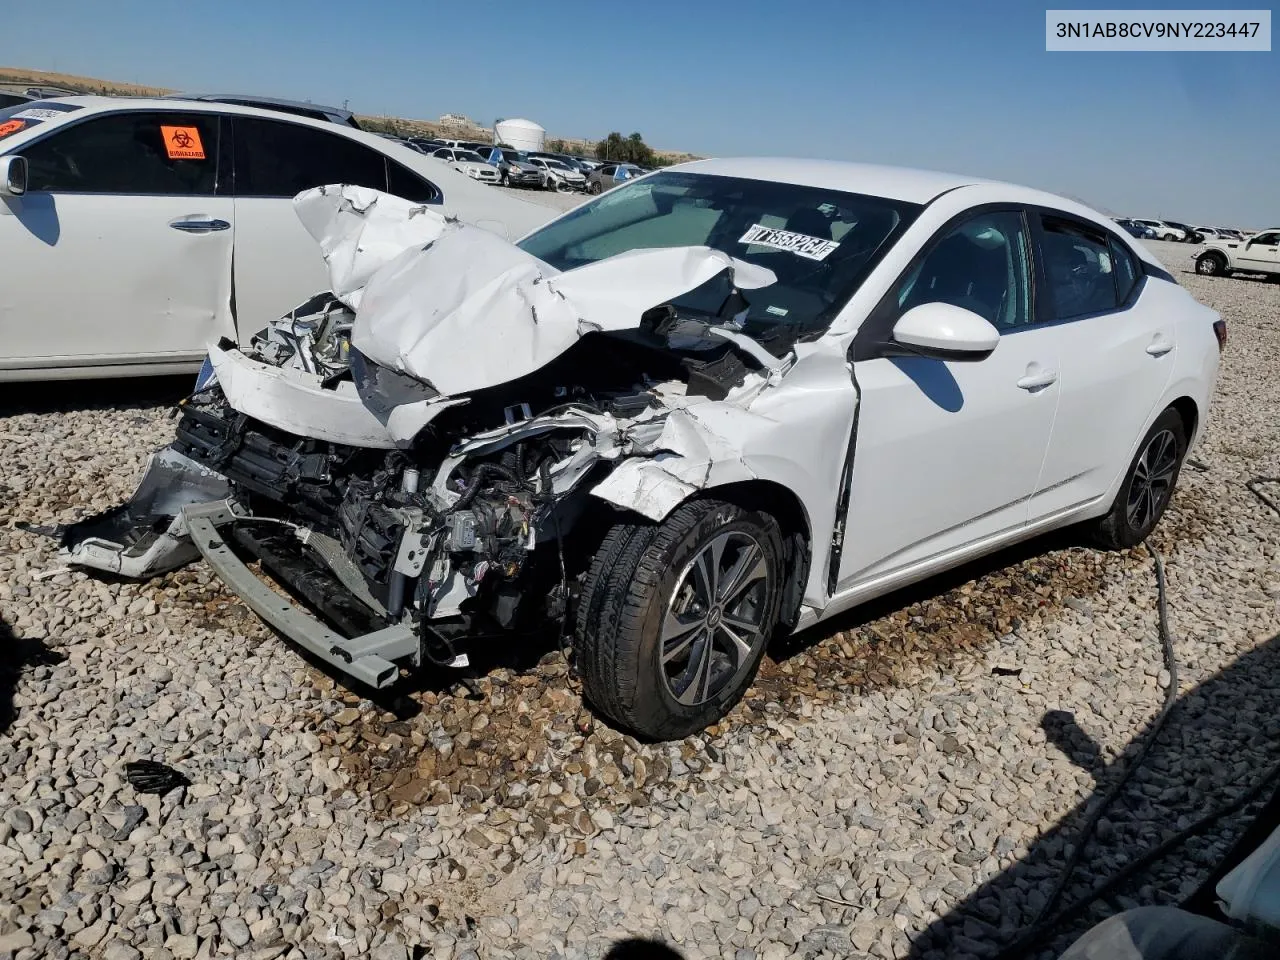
1163, 230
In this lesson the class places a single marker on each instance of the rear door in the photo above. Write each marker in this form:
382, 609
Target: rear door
1117, 355
120, 251
277, 263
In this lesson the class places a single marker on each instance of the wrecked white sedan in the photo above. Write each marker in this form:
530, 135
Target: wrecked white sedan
726, 400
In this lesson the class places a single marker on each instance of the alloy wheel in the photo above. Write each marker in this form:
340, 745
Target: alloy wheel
715, 621
1152, 483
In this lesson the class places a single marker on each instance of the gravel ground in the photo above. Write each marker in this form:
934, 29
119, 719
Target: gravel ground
904, 781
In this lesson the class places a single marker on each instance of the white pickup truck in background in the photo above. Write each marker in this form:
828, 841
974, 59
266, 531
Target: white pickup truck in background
1258, 254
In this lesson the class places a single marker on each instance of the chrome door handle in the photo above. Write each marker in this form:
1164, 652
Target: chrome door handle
1159, 347
198, 225
1038, 381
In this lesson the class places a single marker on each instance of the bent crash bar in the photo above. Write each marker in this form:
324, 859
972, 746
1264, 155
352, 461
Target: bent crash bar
368, 658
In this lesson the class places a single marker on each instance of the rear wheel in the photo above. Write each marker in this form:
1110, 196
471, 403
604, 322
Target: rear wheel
595, 188
674, 618
1147, 487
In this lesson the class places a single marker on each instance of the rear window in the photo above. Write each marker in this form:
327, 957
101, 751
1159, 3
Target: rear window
25, 115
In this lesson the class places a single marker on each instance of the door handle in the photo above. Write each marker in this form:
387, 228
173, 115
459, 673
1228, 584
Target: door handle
199, 224
1159, 346
1038, 381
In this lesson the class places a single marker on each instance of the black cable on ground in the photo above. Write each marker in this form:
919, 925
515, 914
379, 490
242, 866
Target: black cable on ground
1043, 926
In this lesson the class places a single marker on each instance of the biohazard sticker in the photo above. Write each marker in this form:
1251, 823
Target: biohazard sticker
811, 248
182, 143
11, 127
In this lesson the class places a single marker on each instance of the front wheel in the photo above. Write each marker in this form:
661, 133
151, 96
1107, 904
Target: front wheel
674, 618
1211, 264
595, 189
1148, 486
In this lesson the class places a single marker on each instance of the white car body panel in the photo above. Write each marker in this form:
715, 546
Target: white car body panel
949, 459
147, 294
171, 289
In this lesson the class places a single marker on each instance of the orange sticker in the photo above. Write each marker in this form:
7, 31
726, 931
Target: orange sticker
182, 143
11, 126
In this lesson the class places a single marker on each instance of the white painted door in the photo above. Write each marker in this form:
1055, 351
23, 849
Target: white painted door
120, 251
1117, 350
947, 454
278, 264
1262, 253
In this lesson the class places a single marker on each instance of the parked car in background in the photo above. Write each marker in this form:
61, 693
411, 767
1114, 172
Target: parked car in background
301, 108
588, 163
424, 144
175, 219
558, 175
468, 162
567, 160
1189, 232
1164, 230
1135, 229
1225, 256
845, 352
11, 98
609, 175
513, 166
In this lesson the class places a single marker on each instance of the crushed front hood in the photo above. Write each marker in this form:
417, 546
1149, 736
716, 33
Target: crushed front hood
460, 308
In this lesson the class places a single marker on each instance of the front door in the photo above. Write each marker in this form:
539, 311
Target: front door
948, 453
1262, 253
120, 251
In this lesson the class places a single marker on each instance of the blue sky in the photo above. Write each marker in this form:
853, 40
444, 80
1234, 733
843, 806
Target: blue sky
956, 86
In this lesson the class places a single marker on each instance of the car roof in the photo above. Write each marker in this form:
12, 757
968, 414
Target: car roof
266, 102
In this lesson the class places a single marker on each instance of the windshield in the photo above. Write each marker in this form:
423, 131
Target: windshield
512, 156
556, 165
820, 243
469, 155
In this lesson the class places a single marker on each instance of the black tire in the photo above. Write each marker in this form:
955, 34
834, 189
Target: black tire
647, 580
1211, 265
595, 188
1156, 465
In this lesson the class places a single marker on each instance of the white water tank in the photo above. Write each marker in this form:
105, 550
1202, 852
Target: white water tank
521, 134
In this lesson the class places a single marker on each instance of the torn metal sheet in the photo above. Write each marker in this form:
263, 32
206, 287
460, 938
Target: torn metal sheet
146, 535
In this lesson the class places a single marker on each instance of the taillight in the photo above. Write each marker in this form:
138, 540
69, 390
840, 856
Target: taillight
1220, 331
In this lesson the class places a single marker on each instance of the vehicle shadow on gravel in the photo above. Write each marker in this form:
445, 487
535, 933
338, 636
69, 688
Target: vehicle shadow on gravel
16, 654
1216, 744
65, 395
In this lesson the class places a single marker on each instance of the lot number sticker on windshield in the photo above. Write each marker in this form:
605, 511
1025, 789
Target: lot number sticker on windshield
40, 114
11, 126
811, 248
182, 143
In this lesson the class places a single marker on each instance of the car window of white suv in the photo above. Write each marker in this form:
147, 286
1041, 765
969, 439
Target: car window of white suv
136, 152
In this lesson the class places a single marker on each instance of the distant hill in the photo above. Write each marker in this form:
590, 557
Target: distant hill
403, 126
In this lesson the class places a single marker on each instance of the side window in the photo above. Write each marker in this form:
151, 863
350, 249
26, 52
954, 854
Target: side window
403, 182
1125, 269
980, 265
279, 159
1265, 239
135, 153
1078, 268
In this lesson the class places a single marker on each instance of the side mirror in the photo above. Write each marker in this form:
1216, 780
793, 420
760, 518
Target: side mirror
943, 331
13, 176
